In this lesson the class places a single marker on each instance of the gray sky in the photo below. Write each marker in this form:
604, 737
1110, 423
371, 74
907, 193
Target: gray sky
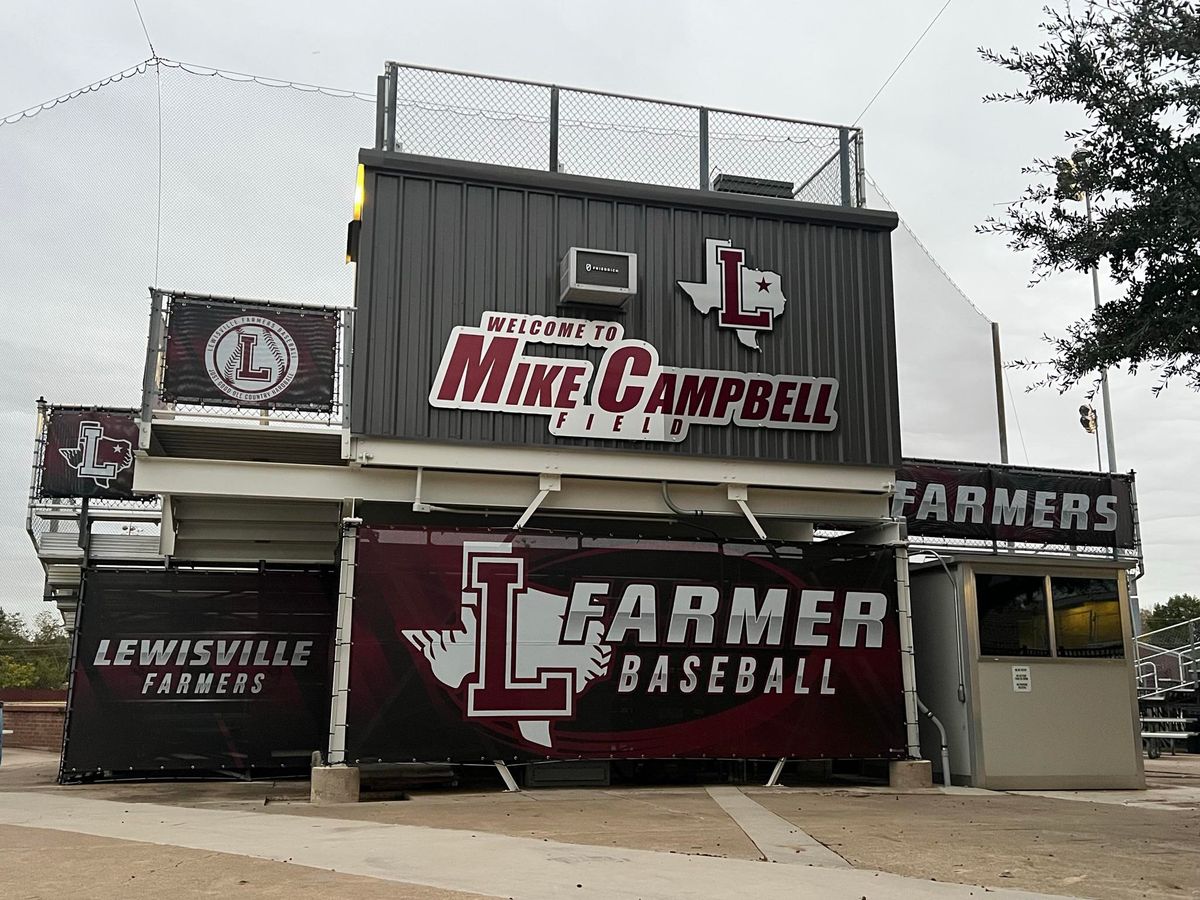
77, 192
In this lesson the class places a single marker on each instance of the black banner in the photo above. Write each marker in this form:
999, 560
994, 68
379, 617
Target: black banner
1005, 503
89, 453
250, 354
193, 671
476, 646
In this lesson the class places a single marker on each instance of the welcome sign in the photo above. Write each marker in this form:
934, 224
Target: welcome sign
628, 396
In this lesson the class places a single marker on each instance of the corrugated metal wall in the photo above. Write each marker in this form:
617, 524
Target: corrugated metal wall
442, 242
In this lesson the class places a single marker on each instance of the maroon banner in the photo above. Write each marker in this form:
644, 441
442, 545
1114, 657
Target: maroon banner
477, 645
250, 354
88, 453
1007, 503
199, 671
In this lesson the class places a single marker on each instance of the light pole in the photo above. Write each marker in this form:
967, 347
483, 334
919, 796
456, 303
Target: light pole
1068, 187
1109, 440
1087, 418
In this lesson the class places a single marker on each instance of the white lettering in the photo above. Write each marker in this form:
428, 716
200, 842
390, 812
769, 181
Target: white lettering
695, 604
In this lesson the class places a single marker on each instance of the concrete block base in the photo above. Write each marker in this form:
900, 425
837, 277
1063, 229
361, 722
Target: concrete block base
910, 774
333, 784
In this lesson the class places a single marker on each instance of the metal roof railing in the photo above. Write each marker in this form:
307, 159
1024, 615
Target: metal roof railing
529, 124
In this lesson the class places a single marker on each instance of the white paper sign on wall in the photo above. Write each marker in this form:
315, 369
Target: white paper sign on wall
1022, 680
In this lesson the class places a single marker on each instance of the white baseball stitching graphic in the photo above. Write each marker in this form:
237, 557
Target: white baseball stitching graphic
251, 358
535, 675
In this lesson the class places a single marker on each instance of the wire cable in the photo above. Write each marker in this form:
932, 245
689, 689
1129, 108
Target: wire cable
917, 42
145, 30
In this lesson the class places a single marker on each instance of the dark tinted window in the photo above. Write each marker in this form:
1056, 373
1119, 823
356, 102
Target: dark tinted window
1012, 615
1087, 617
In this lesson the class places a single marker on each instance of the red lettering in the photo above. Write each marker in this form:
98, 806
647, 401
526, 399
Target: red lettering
541, 384
634, 360
801, 413
569, 387
476, 363
732, 390
783, 396
732, 312
518, 384
662, 395
696, 396
498, 689
824, 414
757, 403
246, 370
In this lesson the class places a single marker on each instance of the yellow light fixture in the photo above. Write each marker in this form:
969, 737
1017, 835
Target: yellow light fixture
360, 192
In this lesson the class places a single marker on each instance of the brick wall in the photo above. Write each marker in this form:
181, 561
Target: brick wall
35, 726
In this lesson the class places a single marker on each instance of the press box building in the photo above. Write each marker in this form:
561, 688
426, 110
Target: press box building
594, 468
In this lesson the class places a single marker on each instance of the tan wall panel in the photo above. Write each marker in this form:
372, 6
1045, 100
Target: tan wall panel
1073, 729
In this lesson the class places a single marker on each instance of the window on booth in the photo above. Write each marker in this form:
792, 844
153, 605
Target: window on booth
1012, 615
1087, 617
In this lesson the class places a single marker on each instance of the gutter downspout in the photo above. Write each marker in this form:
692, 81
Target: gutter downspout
945, 746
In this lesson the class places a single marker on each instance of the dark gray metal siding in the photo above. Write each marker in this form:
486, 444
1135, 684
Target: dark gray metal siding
444, 241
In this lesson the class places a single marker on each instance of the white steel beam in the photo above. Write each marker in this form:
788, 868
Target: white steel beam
482, 489
340, 701
622, 465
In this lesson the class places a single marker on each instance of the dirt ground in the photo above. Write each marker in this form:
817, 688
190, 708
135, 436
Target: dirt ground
1100, 850
1125, 845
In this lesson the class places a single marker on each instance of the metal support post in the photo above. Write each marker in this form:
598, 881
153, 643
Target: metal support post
547, 482
740, 495
381, 87
844, 159
1132, 576
860, 169
998, 367
773, 781
554, 129
389, 109
510, 783
908, 668
346, 336
339, 704
154, 340
705, 184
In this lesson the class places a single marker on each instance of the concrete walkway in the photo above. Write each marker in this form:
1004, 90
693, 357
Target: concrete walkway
777, 839
488, 864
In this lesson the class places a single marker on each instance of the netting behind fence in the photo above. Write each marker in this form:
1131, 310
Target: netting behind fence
257, 187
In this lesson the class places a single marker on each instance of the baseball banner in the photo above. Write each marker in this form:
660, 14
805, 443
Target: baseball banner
470, 645
1006, 503
250, 354
88, 453
180, 671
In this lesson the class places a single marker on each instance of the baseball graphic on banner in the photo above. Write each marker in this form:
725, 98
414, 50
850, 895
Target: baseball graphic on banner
251, 358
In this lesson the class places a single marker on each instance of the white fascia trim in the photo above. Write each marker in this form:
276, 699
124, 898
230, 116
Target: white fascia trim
622, 465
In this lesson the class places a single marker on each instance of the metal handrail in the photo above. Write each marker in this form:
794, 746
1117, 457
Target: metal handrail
616, 96
1195, 621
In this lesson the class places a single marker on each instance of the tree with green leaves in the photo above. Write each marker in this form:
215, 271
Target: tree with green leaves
34, 657
1133, 68
1178, 608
